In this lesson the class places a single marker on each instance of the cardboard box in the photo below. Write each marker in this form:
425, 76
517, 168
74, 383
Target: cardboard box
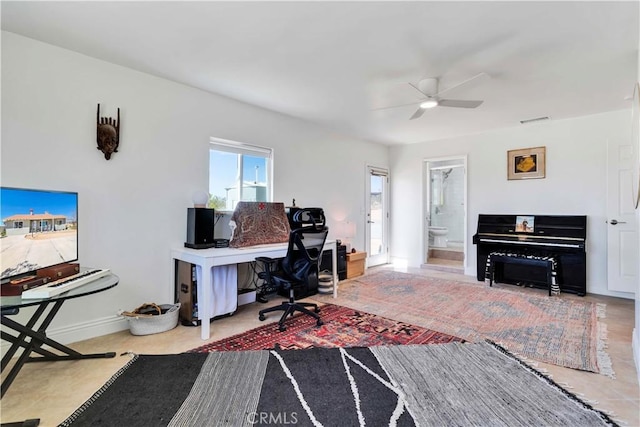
355, 264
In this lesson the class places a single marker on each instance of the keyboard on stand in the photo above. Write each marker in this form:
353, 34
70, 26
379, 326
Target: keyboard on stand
63, 285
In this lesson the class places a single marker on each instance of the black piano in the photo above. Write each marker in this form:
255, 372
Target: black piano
560, 236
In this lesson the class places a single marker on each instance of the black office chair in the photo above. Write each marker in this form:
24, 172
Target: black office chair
299, 268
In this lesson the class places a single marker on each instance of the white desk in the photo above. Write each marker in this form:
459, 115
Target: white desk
208, 258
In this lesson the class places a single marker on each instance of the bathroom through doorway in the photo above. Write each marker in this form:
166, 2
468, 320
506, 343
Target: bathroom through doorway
445, 213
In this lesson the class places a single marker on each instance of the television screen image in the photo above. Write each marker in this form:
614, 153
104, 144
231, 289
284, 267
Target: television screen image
38, 229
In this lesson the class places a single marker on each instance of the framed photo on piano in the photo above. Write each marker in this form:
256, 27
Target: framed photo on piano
524, 224
526, 163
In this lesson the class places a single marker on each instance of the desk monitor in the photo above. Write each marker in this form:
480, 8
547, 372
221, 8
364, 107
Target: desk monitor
39, 229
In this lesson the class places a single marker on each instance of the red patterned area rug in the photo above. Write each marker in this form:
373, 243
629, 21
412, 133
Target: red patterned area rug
559, 330
343, 327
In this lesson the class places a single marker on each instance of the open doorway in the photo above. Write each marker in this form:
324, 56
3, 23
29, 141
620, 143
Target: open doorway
377, 221
445, 213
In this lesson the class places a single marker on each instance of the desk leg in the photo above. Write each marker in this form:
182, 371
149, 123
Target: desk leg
205, 285
334, 263
38, 339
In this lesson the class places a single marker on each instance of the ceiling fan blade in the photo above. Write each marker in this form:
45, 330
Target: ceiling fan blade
462, 83
417, 88
459, 103
419, 112
396, 106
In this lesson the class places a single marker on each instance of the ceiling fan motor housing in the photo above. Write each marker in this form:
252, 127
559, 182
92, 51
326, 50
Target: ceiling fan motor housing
428, 86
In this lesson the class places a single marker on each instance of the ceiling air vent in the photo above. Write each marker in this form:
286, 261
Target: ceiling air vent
538, 119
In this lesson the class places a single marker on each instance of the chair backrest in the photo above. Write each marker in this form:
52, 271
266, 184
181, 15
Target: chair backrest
300, 263
306, 217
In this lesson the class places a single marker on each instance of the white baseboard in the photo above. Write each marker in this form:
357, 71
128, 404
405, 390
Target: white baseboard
82, 331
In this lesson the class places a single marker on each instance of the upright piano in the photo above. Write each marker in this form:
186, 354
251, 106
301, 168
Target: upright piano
560, 236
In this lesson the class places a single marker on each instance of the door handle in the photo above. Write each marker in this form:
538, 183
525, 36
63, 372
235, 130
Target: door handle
371, 222
615, 221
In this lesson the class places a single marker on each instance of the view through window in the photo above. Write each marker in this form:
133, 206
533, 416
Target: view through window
238, 172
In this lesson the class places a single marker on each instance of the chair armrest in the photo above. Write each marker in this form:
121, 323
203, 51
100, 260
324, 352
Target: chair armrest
266, 260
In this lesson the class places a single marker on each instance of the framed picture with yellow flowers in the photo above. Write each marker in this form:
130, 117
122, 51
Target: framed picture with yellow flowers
526, 163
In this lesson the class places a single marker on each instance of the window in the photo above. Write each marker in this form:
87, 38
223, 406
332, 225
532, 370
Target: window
238, 172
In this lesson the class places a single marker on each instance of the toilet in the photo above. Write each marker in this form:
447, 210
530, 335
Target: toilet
439, 235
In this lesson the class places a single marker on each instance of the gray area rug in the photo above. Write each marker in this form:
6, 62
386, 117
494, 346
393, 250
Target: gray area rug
454, 384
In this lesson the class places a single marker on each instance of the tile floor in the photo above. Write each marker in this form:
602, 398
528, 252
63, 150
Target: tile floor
51, 391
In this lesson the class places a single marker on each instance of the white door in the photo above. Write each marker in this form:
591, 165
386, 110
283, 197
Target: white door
377, 216
426, 184
622, 228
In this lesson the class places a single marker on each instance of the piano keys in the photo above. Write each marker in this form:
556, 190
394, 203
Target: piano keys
560, 236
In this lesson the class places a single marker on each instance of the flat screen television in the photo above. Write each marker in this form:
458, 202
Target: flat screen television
38, 229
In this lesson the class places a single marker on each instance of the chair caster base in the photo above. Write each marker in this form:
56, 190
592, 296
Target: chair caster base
261, 318
282, 328
319, 323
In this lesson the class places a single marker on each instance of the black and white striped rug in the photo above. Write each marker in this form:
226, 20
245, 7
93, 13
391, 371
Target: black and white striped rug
454, 384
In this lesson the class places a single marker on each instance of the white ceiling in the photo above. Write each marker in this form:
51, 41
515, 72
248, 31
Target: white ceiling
335, 63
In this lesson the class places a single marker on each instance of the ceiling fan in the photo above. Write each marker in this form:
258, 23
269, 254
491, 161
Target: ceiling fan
429, 89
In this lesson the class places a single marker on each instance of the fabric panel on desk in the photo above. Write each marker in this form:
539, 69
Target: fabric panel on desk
258, 223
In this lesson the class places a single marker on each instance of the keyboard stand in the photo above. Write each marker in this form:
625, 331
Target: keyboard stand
32, 340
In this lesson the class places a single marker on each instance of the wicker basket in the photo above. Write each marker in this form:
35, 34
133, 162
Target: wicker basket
145, 324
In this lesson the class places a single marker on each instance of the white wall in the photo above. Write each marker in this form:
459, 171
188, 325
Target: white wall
575, 183
636, 329
133, 207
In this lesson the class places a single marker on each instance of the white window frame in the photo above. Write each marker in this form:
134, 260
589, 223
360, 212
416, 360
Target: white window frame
235, 147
